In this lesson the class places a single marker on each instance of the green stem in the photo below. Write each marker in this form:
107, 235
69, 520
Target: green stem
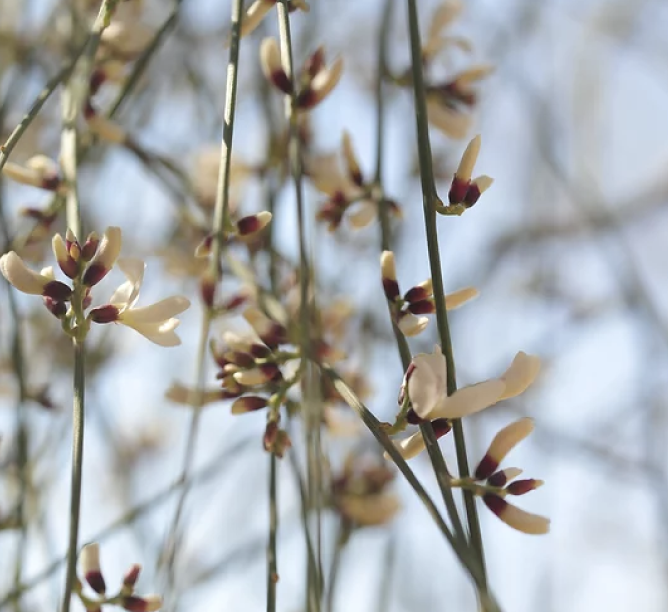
342, 538
272, 572
430, 201
220, 214
312, 407
464, 553
78, 416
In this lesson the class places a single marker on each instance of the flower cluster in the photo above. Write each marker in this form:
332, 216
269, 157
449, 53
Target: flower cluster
89, 559
500, 483
345, 189
86, 265
250, 371
361, 495
450, 102
418, 300
313, 84
424, 393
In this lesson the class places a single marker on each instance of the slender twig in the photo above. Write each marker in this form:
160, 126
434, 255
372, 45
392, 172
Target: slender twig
311, 406
341, 541
61, 76
464, 553
272, 572
430, 199
201, 476
220, 218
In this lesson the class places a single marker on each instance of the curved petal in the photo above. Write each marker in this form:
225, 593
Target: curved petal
460, 297
159, 333
410, 325
469, 400
21, 276
126, 295
521, 373
427, 382
364, 214
410, 447
158, 312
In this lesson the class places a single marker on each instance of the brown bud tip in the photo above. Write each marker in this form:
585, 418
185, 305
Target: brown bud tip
131, 576
412, 417
94, 274
104, 314
391, 289
486, 467
416, 294
520, 487
57, 309
96, 581
90, 247
458, 190
422, 307
57, 291
441, 427
248, 403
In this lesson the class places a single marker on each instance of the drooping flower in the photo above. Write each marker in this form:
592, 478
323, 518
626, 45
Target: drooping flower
155, 322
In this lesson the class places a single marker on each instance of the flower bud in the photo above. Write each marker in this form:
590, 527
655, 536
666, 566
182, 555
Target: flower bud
248, 403
90, 566
252, 224
149, 603
104, 258
67, 263
389, 275
270, 61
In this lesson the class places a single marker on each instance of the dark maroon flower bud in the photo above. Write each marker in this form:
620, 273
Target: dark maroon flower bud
57, 309
458, 190
423, 307
441, 427
57, 291
104, 314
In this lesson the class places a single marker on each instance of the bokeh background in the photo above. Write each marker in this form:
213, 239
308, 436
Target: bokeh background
568, 250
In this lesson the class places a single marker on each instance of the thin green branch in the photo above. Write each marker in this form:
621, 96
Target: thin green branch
272, 571
312, 407
430, 201
220, 217
464, 553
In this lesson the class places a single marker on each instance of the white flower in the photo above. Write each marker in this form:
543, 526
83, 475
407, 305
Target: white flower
28, 281
426, 385
154, 322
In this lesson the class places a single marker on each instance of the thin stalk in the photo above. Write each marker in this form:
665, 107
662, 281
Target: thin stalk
312, 407
78, 416
201, 476
220, 216
433, 449
272, 572
74, 94
341, 541
430, 200
463, 553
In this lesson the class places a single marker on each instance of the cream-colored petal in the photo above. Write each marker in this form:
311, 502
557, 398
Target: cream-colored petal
369, 510
521, 373
21, 276
506, 439
109, 249
364, 214
468, 400
126, 295
460, 297
159, 333
410, 447
412, 325
326, 80
160, 311
254, 16
427, 382
448, 120
526, 522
